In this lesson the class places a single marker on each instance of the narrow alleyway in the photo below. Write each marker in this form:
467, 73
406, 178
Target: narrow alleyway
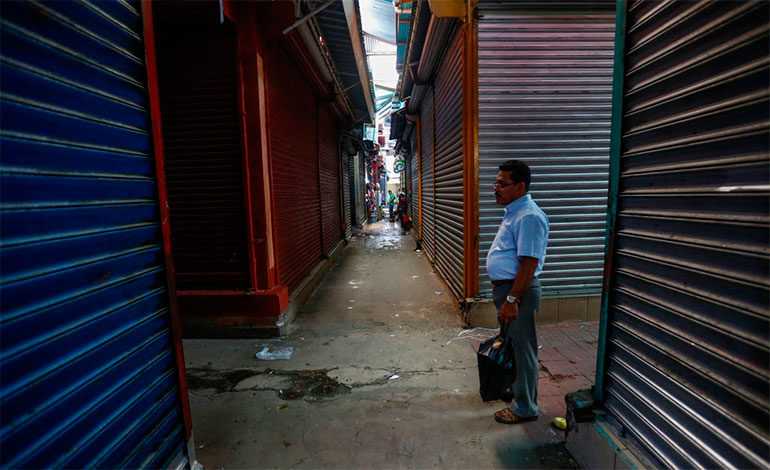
378, 378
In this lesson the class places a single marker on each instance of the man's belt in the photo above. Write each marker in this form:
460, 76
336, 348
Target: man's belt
500, 282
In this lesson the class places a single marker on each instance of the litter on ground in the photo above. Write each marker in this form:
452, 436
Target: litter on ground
284, 353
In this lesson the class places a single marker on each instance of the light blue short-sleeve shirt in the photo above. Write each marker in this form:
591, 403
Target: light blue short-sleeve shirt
523, 232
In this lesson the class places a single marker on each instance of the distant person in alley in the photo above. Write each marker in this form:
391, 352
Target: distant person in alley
514, 263
403, 213
391, 203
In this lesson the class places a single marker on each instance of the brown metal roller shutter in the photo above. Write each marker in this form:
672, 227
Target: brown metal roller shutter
428, 215
204, 168
449, 167
330, 180
294, 170
687, 369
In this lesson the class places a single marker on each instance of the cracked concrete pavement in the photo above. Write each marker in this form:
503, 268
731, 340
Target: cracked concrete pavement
377, 379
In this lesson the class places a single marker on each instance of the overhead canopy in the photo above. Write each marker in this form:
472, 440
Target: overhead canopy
379, 19
340, 25
402, 32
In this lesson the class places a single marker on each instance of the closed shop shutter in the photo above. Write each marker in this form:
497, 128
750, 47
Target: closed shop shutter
414, 178
204, 167
361, 186
449, 167
346, 195
545, 97
356, 202
428, 215
294, 166
687, 368
330, 180
88, 376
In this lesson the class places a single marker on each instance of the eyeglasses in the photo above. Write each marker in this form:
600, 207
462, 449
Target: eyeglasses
502, 185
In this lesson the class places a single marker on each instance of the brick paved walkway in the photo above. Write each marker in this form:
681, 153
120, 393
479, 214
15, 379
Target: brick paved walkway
567, 356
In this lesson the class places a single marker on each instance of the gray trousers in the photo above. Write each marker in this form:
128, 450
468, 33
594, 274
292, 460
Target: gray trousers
522, 332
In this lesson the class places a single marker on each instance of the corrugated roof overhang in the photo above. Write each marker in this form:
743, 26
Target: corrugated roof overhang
335, 28
427, 45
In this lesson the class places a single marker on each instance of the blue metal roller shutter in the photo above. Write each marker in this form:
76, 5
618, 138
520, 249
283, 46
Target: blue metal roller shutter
88, 375
688, 364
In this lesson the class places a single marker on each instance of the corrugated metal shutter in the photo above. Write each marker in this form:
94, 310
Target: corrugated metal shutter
428, 215
361, 188
328, 149
88, 376
294, 166
347, 195
204, 167
687, 373
449, 167
545, 97
414, 178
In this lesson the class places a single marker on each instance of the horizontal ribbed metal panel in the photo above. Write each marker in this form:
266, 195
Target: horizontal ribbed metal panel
545, 97
688, 344
204, 167
336, 35
88, 374
360, 184
414, 178
328, 156
347, 203
297, 219
428, 144
486, 6
449, 167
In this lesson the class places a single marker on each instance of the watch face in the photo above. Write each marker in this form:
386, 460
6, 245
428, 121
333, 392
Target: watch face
511, 299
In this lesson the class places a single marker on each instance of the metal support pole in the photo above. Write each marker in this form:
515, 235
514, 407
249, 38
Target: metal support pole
618, 71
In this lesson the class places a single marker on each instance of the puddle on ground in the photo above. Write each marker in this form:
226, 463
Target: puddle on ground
383, 236
310, 385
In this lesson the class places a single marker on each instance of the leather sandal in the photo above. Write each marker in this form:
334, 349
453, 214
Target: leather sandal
506, 416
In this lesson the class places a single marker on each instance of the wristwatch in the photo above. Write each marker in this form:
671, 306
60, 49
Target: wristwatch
511, 299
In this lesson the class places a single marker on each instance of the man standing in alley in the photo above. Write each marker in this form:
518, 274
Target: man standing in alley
391, 203
514, 263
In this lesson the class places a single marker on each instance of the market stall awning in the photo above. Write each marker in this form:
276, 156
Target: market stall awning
340, 25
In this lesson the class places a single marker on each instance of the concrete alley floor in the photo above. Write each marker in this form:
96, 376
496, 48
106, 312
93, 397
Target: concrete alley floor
378, 378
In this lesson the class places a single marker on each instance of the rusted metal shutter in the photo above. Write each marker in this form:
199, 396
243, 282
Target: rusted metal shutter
414, 178
545, 97
294, 166
687, 369
89, 376
204, 166
428, 215
346, 196
329, 171
449, 167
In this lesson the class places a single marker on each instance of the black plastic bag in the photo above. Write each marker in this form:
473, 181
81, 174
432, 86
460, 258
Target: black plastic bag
497, 367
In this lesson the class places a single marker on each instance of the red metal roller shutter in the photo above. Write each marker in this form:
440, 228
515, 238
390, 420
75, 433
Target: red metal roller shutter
294, 168
428, 216
204, 167
328, 156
